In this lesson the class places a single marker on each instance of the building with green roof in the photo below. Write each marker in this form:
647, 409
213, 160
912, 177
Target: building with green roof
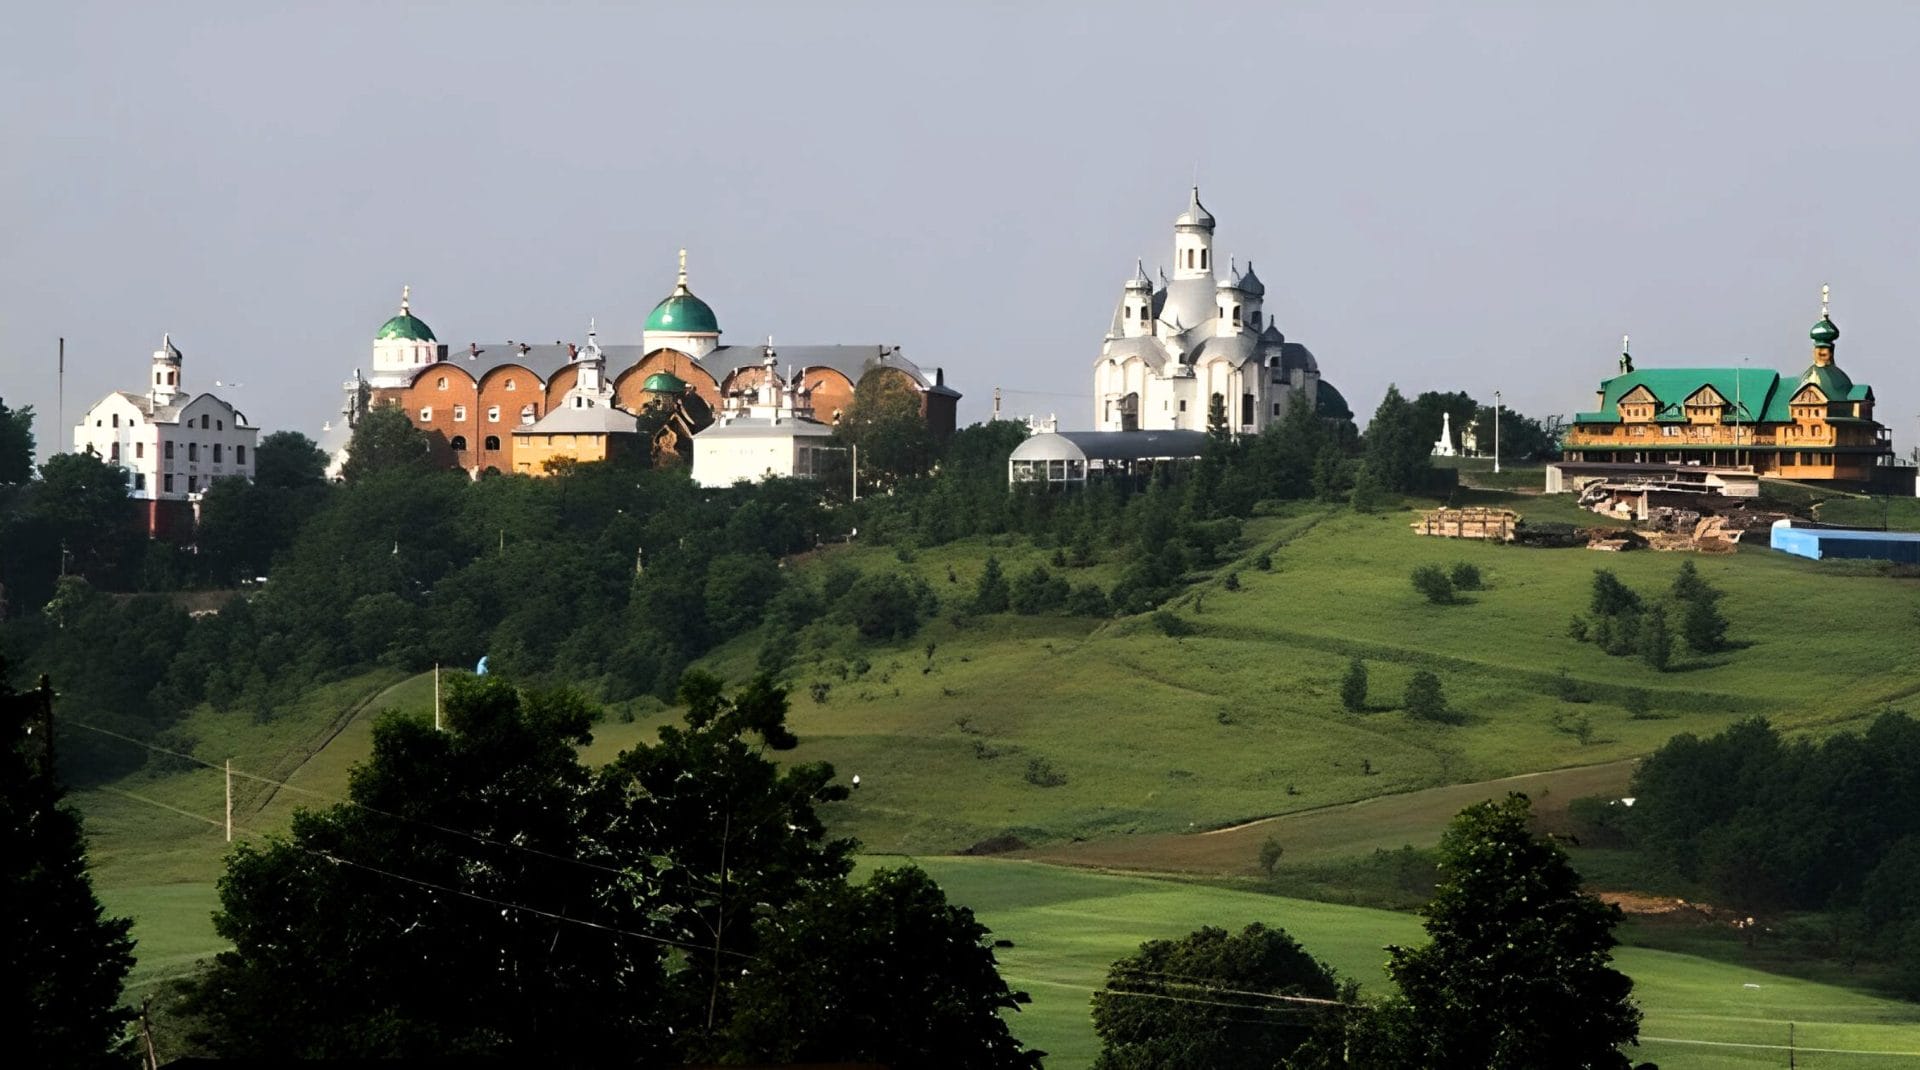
1817, 426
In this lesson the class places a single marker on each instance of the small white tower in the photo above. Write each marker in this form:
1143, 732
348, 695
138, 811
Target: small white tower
593, 363
1443, 447
1137, 304
1255, 293
1193, 241
165, 384
404, 345
1231, 305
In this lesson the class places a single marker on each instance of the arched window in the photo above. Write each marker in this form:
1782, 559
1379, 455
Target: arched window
459, 443
1203, 258
1236, 315
493, 414
493, 442
441, 383
511, 386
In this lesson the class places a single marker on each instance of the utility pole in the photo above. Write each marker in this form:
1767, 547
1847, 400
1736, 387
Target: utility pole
60, 412
1496, 432
229, 800
996, 404
856, 471
436, 697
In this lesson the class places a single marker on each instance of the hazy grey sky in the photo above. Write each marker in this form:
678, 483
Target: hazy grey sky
1476, 196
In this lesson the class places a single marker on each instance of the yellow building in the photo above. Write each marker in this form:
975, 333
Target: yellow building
1819, 426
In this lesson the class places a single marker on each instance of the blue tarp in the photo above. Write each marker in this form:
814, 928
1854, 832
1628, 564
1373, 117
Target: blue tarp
1823, 544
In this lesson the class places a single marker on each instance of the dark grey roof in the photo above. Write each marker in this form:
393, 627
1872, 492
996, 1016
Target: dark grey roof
547, 360
1251, 283
1113, 445
1196, 214
598, 420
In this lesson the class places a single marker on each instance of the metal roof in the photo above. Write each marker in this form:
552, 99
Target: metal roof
548, 360
1110, 445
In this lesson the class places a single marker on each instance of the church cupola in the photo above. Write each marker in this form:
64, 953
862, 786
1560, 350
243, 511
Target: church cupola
1823, 372
403, 345
164, 385
1231, 302
1136, 304
682, 321
592, 376
1255, 292
1193, 241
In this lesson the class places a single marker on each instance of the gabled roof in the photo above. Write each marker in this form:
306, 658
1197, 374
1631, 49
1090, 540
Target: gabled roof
602, 419
1753, 394
546, 361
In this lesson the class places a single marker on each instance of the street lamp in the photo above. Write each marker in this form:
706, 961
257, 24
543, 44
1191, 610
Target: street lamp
1496, 432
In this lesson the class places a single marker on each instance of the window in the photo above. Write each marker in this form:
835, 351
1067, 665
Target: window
166, 483
528, 414
510, 385
168, 444
113, 452
1143, 313
1183, 406
426, 415
219, 425
1246, 409
459, 443
239, 455
1236, 315
493, 442
440, 383
193, 451
216, 453
1203, 258
1276, 408
116, 419
205, 421
139, 481
139, 450
1670, 431
493, 414
459, 413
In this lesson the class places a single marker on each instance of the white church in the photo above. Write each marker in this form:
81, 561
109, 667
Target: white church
172, 444
1177, 344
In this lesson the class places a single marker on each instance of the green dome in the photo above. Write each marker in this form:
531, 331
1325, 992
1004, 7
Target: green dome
406, 326
1329, 404
1824, 333
1832, 382
684, 313
664, 383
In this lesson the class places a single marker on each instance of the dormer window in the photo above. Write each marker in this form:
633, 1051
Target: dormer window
511, 386
440, 383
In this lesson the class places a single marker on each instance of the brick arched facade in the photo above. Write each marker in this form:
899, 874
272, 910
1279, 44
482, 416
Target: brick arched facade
627, 388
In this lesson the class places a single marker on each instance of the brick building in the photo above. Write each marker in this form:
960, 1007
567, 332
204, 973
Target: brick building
479, 404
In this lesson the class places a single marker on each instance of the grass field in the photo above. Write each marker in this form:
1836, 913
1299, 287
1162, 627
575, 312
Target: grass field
1068, 926
1160, 739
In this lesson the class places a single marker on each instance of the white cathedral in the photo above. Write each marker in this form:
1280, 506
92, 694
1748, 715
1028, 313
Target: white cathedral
1177, 345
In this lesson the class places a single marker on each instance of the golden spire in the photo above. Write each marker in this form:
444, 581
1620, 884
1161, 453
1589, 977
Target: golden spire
406, 298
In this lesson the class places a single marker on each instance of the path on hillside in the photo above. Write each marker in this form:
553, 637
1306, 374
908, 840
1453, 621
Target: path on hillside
1385, 822
296, 758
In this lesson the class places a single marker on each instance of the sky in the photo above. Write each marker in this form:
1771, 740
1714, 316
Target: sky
1469, 196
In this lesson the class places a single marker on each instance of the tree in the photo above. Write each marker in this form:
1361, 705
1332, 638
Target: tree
289, 460
1353, 686
62, 962
1395, 454
1610, 596
738, 588
886, 424
1433, 582
16, 444
1465, 576
1037, 591
82, 503
1688, 586
1656, 639
888, 972
1219, 431
1206, 1002
1521, 437
992, 594
1424, 700
884, 605
1429, 409
453, 907
384, 440
1703, 627
1518, 971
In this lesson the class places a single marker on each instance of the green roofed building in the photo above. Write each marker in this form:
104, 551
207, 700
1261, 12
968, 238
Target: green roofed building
1817, 425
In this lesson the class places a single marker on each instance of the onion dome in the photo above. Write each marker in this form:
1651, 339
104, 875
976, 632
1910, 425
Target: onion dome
1250, 283
406, 325
681, 312
1196, 214
1824, 333
664, 383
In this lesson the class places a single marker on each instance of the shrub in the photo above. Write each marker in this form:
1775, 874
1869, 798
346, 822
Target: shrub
1264, 562
883, 605
1625, 635
1577, 628
1689, 587
1232, 582
1059, 558
1432, 581
1577, 725
1639, 705
1567, 688
1088, 600
1038, 591
1353, 687
1270, 852
1465, 576
1703, 627
1171, 623
992, 594
820, 690
1426, 701
1042, 774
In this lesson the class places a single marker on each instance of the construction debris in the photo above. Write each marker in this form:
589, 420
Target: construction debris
1473, 522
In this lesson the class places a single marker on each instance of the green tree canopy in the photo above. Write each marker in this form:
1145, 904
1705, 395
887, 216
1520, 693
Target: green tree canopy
1395, 455
1518, 973
888, 972
1212, 1000
16, 443
384, 440
289, 460
886, 424
62, 961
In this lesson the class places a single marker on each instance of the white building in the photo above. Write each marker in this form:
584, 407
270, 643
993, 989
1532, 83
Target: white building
765, 432
1177, 345
173, 446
